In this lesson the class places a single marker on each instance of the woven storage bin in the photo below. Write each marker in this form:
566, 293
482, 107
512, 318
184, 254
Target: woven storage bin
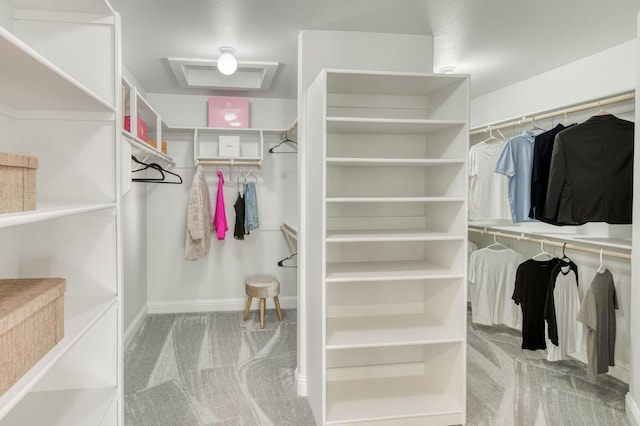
31, 323
17, 182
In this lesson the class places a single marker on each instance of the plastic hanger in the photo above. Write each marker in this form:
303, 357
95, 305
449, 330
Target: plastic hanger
601, 268
565, 259
159, 169
534, 126
493, 138
281, 262
497, 244
543, 252
272, 150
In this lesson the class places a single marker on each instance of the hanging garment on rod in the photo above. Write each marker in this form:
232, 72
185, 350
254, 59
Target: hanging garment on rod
542, 150
597, 313
487, 190
491, 277
199, 213
239, 207
564, 333
591, 173
515, 162
531, 286
251, 218
220, 217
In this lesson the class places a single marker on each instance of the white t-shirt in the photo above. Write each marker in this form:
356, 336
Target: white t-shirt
488, 197
567, 303
492, 275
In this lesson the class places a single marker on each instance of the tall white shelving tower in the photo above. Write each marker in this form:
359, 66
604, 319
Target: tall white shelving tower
387, 237
59, 101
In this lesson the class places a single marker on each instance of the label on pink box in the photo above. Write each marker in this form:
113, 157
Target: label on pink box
228, 112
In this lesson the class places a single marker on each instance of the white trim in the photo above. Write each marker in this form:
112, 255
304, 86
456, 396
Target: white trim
301, 383
633, 413
135, 326
215, 305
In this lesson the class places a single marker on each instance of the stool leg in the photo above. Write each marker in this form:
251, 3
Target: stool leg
263, 302
246, 310
275, 299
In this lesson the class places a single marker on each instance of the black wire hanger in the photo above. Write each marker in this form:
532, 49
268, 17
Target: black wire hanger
159, 169
281, 262
272, 149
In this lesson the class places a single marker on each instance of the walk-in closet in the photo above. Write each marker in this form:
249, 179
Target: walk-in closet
319, 213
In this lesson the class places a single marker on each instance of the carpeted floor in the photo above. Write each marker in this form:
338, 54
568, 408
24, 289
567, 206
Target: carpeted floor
215, 369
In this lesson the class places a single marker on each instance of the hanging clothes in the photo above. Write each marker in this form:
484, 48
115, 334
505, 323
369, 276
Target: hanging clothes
251, 219
516, 162
220, 217
564, 333
487, 190
238, 231
542, 150
531, 286
597, 313
199, 212
491, 276
591, 173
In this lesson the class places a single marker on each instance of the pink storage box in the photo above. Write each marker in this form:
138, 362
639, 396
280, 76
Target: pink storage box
229, 112
142, 127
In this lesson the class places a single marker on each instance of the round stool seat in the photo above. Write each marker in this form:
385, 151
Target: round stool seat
262, 286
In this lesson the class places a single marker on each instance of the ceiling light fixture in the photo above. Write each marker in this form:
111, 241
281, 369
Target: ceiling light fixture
227, 64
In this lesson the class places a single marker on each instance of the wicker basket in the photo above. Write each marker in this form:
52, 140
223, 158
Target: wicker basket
31, 323
17, 182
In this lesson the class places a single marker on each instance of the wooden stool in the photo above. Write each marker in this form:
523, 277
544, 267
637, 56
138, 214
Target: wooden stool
262, 286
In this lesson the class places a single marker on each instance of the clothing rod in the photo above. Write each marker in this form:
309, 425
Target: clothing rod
554, 113
286, 133
571, 246
289, 231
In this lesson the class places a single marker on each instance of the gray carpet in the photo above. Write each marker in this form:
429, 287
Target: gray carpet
215, 369
510, 386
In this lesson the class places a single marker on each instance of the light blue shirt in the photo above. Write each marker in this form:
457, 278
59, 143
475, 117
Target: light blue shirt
516, 162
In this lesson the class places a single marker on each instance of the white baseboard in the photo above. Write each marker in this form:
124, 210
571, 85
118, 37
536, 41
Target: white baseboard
301, 383
620, 371
633, 414
135, 326
216, 305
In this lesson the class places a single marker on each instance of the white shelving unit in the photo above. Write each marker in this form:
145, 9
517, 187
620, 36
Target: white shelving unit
386, 236
207, 143
62, 108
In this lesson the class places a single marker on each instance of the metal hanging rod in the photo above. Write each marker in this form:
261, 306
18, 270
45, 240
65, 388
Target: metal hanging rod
554, 113
571, 246
289, 231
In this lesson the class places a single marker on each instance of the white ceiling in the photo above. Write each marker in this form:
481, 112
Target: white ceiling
497, 42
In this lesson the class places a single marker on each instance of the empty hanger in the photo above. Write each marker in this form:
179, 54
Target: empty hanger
543, 252
281, 262
272, 150
159, 169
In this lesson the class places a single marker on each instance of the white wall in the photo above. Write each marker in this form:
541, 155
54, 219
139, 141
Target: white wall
217, 282
633, 397
343, 50
604, 74
607, 73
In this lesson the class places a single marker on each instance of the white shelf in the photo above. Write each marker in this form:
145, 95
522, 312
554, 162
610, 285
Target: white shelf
388, 330
389, 235
62, 407
390, 398
34, 83
146, 153
344, 81
391, 162
390, 126
98, 7
386, 271
49, 211
81, 313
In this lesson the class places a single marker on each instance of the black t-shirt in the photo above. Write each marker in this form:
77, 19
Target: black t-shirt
530, 292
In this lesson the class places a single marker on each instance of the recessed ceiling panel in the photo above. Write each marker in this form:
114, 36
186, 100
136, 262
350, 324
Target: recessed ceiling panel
203, 73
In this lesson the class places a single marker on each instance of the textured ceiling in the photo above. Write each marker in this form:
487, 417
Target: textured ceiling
497, 42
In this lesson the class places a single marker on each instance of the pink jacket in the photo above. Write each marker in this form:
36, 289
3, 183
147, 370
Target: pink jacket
220, 217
